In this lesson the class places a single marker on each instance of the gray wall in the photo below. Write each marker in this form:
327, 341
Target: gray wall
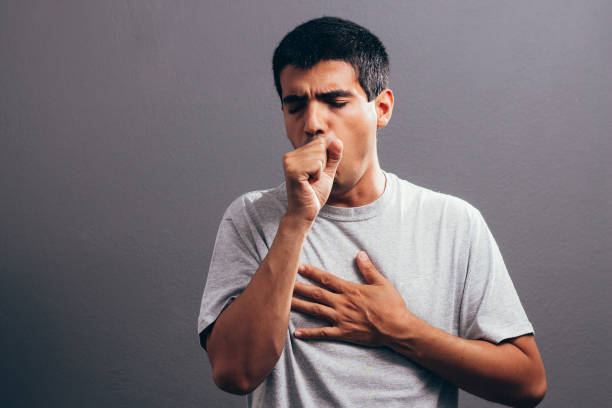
128, 127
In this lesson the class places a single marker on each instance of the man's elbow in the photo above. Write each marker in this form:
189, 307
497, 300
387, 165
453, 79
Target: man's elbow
534, 393
238, 372
233, 382
539, 391
531, 385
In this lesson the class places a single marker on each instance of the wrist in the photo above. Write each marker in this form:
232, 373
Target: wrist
296, 223
403, 336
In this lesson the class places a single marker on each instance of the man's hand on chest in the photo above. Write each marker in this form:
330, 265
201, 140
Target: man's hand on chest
367, 314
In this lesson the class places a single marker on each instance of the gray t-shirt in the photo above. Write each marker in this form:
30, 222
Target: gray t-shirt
437, 251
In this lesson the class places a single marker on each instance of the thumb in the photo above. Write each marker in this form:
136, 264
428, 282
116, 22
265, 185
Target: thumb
334, 155
369, 272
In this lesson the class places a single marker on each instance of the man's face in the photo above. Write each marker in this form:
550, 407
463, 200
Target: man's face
327, 99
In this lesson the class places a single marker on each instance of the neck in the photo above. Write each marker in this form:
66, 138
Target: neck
369, 187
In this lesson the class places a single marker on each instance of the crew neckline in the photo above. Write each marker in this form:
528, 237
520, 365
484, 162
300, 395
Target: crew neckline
363, 212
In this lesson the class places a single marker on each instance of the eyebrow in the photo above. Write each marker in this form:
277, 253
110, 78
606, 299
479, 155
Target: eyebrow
340, 93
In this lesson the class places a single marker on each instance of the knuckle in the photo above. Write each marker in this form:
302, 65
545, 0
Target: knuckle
287, 160
351, 306
317, 294
334, 318
352, 291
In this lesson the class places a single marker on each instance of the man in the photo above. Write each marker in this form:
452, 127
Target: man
345, 285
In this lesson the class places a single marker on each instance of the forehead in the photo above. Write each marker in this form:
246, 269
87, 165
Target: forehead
325, 76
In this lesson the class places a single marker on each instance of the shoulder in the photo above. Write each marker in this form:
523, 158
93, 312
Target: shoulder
258, 206
438, 207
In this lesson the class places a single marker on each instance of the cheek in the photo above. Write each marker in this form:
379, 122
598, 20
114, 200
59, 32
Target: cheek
361, 132
363, 120
291, 133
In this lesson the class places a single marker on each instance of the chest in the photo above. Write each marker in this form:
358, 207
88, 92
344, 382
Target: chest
426, 265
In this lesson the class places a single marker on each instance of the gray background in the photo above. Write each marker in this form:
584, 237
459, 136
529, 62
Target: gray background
128, 127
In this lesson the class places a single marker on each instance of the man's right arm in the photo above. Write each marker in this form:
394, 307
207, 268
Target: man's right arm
248, 337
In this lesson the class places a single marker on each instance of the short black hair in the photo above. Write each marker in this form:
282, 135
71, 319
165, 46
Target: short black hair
333, 38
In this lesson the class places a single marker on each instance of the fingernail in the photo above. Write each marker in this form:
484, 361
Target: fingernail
301, 268
363, 256
297, 333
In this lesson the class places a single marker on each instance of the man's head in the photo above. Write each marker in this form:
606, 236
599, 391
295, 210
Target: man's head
332, 38
332, 78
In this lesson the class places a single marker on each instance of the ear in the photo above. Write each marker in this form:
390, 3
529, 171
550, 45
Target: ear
384, 107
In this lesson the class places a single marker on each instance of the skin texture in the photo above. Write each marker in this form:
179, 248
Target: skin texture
332, 127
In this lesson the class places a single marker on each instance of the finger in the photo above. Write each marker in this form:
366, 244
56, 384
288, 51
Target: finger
315, 293
315, 174
316, 154
324, 278
305, 165
334, 156
369, 272
314, 162
330, 332
314, 309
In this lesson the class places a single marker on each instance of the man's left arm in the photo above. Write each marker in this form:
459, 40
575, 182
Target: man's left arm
375, 314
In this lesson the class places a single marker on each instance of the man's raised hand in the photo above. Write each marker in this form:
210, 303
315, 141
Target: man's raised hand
309, 175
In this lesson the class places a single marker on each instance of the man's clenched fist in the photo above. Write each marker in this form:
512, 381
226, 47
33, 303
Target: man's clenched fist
309, 175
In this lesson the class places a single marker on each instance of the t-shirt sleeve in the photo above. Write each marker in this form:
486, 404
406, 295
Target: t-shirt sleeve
490, 307
235, 259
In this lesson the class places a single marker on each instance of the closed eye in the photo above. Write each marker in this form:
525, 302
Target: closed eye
296, 109
337, 104
330, 103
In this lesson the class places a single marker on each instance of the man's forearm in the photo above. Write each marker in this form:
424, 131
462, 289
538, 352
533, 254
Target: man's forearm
248, 337
509, 373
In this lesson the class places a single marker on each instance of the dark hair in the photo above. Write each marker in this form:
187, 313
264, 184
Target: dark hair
332, 38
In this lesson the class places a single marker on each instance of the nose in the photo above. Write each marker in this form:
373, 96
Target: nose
314, 121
